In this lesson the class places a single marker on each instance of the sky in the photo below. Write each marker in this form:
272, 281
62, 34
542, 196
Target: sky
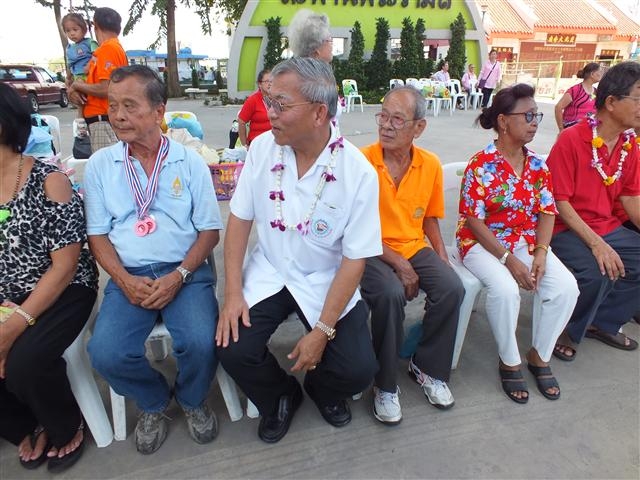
32, 27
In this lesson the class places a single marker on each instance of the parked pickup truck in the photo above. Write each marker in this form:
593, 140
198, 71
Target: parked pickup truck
34, 84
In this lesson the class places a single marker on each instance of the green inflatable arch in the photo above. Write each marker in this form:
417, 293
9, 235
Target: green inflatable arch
250, 38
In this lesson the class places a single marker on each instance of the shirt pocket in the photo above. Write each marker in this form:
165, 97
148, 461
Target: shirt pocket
415, 207
326, 224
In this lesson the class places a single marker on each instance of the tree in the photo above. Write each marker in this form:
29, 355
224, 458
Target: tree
378, 68
355, 65
275, 47
421, 28
165, 10
407, 65
230, 11
456, 56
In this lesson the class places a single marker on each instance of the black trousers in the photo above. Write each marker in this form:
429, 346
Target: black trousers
35, 390
347, 366
486, 95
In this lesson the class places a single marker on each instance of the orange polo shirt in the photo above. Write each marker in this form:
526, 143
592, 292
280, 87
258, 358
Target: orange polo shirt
106, 58
419, 195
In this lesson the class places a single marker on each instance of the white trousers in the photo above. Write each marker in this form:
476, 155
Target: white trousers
553, 301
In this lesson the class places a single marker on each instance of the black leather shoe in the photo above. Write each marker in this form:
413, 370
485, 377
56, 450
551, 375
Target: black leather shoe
274, 427
337, 415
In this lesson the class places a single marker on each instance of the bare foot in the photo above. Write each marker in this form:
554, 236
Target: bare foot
26, 452
69, 447
534, 359
564, 345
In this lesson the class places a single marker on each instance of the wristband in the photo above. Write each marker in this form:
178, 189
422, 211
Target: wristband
30, 319
503, 258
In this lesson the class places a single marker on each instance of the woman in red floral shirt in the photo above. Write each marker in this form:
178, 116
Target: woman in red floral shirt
507, 214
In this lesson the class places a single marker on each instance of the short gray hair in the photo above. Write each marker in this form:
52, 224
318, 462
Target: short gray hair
307, 31
317, 83
419, 102
154, 88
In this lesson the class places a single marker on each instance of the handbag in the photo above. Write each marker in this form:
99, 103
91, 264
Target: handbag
482, 81
82, 147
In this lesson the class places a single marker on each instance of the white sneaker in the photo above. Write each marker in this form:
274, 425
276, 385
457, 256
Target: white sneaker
436, 391
386, 406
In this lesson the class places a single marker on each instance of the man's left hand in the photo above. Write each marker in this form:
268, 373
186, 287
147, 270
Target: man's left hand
309, 350
165, 289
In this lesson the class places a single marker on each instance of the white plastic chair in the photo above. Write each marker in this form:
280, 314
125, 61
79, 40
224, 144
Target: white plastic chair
84, 388
54, 126
414, 82
158, 342
456, 92
452, 176
395, 82
475, 96
441, 102
350, 89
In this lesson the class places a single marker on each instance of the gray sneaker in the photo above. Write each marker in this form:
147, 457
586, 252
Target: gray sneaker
151, 432
202, 423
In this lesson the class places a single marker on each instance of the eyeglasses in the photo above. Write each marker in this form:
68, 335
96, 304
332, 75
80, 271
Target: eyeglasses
635, 99
328, 40
280, 107
529, 116
265, 81
396, 121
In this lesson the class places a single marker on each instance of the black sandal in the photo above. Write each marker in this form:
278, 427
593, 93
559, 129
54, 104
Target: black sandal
559, 354
545, 380
513, 381
60, 464
33, 439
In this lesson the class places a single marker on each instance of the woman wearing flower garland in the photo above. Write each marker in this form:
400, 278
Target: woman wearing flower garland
579, 100
507, 212
48, 286
595, 164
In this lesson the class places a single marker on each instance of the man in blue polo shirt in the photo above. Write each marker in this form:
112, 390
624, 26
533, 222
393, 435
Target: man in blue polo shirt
152, 220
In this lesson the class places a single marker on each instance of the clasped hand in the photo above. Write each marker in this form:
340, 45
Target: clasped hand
152, 294
609, 262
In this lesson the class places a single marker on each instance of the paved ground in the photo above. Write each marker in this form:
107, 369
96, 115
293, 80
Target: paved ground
591, 432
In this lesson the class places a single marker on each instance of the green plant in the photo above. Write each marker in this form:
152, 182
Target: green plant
421, 28
354, 67
407, 64
456, 56
378, 68
275, 47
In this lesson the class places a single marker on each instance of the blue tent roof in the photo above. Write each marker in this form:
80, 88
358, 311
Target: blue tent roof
184, 53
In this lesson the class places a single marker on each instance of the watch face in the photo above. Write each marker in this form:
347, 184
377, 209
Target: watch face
187, 277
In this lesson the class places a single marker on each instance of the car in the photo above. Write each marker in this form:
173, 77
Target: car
35, 84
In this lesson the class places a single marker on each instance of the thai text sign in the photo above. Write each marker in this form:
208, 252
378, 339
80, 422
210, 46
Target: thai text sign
564, 40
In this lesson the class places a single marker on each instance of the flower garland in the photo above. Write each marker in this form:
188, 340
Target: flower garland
597, 142
278, 195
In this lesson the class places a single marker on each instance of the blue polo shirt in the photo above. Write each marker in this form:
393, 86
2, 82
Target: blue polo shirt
185, 204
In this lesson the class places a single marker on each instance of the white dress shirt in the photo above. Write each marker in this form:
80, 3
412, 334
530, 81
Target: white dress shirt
345, 222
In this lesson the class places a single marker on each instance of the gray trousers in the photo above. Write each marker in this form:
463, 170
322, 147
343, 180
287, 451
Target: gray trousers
383, 291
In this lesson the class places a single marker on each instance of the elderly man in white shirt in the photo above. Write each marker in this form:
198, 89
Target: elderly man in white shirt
313, 198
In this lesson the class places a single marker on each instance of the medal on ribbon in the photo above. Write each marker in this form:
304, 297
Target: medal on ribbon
146, 224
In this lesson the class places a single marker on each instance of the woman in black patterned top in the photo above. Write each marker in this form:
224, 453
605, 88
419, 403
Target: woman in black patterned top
48, 284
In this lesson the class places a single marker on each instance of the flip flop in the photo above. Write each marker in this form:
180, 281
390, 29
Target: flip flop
563, 356
36, 462
614, 340
513, 381
60, 464
545, 380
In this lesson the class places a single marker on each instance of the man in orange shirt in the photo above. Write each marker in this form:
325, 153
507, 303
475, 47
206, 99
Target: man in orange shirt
411, 201
93, 93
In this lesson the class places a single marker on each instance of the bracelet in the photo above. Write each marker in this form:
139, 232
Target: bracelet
326, 329
544, 247
503, 258
30, 319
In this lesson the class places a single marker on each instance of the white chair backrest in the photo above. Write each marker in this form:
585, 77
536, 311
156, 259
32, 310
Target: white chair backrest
178, 113
349, 87
395, 82
452, 175
455, 86
424, 82
451, 179
54, 126
414, 82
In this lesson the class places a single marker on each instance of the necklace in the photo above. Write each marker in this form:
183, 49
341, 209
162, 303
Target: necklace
278, 195
597, 142
5, 213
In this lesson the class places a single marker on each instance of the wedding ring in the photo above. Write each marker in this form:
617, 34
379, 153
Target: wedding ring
312, 367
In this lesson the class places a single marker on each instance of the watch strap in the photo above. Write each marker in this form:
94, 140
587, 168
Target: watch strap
30, 319
330, 332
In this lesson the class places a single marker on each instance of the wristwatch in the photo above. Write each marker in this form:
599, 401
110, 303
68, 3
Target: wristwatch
30, 319
186, 274
326, 329
503, 258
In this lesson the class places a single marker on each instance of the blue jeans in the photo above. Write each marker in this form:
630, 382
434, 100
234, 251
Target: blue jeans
117, 346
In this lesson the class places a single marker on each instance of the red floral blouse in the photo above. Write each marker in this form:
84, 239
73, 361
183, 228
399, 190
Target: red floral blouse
508, 204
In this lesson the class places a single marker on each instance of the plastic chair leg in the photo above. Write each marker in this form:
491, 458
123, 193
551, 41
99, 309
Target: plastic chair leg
252, 410
119, 413
230, 394
85, 390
